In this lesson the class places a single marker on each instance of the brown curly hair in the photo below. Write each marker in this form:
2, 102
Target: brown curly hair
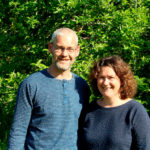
128, 86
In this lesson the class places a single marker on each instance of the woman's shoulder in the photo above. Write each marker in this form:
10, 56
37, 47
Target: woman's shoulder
138, 110
136, 105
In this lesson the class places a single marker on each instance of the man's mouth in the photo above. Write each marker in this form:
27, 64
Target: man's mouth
61, 59
64, 59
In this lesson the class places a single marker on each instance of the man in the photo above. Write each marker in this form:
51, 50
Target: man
49, 102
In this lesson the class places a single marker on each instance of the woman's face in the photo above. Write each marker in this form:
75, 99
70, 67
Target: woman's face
108, 83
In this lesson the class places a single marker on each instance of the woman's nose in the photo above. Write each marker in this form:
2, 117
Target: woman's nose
105, 81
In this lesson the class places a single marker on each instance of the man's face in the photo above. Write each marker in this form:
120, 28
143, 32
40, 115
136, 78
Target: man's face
65, 51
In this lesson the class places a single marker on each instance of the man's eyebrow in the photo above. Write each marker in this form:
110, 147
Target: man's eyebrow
58, 45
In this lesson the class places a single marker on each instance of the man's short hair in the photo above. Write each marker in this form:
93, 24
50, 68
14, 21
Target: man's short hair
62, 31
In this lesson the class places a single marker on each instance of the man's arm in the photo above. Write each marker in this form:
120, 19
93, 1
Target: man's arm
21, 119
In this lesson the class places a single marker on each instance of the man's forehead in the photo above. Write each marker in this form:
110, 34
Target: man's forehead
66, 34
65, 38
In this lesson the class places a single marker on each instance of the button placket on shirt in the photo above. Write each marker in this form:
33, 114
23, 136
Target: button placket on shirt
65, 92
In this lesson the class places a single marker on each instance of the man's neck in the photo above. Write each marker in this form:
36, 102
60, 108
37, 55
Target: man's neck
58, 74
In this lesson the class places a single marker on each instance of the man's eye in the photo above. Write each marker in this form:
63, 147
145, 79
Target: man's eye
61, 48
70, 49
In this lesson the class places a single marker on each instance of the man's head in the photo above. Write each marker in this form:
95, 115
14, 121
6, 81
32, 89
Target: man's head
64, 48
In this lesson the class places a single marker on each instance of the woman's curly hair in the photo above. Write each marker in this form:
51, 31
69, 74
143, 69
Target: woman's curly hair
128, 86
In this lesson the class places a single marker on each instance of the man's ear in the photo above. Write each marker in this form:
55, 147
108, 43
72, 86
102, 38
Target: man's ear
50, 47
77, 50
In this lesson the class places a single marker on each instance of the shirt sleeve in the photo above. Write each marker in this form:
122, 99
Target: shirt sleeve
21, 119
141, 129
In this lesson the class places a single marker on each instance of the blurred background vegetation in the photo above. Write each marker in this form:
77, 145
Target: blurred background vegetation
104, 27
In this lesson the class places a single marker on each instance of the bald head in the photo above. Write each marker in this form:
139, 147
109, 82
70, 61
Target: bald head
63, 32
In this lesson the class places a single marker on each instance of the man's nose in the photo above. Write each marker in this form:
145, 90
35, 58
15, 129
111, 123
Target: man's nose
64, 51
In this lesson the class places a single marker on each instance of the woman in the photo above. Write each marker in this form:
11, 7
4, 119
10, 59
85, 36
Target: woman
116, 121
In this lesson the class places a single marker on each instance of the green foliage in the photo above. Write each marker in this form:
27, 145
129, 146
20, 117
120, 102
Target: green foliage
104, 27
8, 88
143, 91
3, 144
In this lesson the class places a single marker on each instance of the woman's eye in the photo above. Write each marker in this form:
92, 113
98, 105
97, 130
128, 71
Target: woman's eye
101, 78
111, 78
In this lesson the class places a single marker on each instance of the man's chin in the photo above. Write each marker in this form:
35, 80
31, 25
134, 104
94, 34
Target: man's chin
63, 67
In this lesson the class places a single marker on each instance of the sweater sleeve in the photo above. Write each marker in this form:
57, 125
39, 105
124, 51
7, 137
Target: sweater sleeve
141, 129
21, 119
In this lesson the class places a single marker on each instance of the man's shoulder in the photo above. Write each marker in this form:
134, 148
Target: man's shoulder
79, 79
82, 85
35, 77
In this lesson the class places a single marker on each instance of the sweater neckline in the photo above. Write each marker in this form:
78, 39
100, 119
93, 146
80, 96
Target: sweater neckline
115, 107
59, 80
